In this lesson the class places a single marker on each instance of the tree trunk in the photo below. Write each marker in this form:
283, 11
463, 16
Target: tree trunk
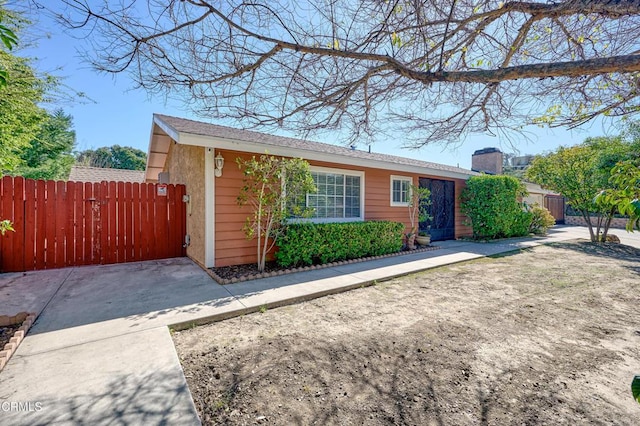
607, 224
587, 218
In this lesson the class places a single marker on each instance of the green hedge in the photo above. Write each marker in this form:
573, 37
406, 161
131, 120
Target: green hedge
317, 243
491, 203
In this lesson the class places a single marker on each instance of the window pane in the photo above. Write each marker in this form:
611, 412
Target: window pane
338, 196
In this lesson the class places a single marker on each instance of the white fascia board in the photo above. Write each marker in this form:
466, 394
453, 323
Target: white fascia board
258, 148
152, 143
149, 148
173, 134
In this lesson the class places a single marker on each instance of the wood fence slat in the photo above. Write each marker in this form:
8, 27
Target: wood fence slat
150, 225
18, 223
161, 221
89, 226
50, 225
3, 215
97, 232
70, 231
128, 225
41, 227
103, 222
120, 230
61, 223
109, 251
79, 202
6, 213
30, 224
137, 222
144, 213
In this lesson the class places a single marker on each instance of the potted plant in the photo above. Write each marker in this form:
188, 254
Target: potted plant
423, 238
419, 201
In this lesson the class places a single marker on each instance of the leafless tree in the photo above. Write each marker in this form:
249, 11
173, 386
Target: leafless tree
436, 69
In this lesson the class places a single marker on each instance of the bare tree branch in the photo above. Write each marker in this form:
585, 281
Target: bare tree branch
435, 70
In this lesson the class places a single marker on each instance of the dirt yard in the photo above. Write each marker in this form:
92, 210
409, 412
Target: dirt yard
549, 335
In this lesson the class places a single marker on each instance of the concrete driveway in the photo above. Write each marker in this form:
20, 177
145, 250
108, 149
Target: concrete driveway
101, 352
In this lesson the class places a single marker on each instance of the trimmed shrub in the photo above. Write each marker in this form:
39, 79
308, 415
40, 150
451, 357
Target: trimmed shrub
541, 220
492, 206
317, 243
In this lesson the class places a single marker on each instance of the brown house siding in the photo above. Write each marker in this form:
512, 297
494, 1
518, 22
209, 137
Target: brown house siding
231, 246
185, 164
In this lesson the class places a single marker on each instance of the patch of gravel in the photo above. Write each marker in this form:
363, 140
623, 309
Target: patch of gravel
7, 332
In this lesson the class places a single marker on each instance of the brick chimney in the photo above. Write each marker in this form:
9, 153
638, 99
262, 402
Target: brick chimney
487, 160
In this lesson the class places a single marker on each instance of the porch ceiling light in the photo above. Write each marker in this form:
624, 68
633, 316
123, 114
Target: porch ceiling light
219, 165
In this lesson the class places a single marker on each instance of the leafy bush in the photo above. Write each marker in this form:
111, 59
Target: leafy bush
5, 225
317, 243
541, 220
492, 206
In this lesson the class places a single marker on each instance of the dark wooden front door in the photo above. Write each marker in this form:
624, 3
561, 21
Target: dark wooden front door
442, 209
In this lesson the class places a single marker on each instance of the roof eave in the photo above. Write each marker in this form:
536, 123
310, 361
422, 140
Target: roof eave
261, 148
159, 147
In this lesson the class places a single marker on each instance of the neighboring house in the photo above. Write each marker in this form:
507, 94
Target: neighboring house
353, 184
99, 174
490, 161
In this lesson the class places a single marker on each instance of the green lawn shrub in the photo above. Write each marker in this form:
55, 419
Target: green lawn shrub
492, 206
318, 243
541, 220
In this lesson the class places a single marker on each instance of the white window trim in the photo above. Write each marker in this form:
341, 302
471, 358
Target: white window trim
345, 172
400, 178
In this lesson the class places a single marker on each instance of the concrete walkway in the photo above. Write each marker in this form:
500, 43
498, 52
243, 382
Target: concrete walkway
101, 351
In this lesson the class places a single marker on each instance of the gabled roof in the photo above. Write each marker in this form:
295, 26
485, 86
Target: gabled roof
99, 174
192, 132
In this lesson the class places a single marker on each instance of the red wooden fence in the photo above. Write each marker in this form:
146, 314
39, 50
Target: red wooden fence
60, 224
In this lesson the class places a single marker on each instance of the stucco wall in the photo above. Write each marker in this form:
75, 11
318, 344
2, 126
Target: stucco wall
185, 165
231, 246
534, 198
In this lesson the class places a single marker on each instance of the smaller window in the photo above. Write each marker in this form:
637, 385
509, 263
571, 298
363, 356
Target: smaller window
400, 190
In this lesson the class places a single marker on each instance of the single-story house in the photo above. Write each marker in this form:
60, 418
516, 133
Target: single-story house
99, 174
359, 185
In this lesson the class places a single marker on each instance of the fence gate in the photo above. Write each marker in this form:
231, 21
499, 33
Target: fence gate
555, 205
60, 224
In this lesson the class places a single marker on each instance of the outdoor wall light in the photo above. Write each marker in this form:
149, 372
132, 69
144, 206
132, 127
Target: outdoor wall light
219, 165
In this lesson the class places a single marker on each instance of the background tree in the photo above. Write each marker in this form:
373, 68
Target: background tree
20, 113
273, 188
625, 192
434, 69
579, 173
114, 157
49, 155
9, 40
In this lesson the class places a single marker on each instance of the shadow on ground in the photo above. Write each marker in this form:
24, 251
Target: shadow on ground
158, 398
607, 250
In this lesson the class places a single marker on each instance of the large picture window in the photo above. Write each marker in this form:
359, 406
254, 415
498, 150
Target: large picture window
339, 195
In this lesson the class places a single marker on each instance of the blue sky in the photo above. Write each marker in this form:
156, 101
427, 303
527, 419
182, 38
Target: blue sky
121, 115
